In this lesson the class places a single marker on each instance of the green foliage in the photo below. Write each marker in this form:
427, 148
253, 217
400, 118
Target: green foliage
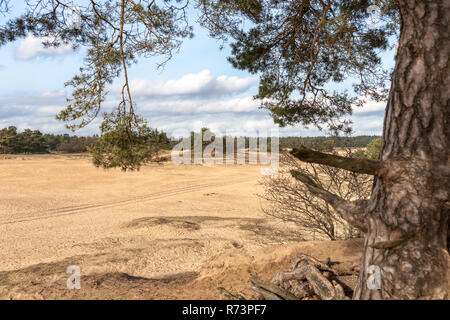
115, 34
206, 137
126, 143
14, 142
27, 141
320, 143
359, 154
76, 144
327, 145
300, 49
55, 140
373, 149
8, 140
33, 141
317, 143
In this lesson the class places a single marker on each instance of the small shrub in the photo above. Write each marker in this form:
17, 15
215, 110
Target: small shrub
290, 200
373, 149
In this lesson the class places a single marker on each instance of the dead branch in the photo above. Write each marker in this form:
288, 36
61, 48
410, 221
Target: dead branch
354, 212
306, 272
290, 199
268, 286
266, 295
322, 266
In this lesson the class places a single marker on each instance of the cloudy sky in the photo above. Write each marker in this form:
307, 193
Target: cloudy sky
198, 87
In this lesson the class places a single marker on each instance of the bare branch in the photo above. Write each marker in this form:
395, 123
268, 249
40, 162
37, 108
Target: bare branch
4, 6
364, 166
354, 212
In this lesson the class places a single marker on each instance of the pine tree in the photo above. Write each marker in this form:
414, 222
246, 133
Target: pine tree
300, 49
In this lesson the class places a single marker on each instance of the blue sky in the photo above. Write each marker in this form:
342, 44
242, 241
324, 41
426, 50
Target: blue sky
198, 87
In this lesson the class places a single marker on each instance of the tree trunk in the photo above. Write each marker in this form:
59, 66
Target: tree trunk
408, 228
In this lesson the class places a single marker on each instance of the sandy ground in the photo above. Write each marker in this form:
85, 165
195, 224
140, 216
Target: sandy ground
165, 232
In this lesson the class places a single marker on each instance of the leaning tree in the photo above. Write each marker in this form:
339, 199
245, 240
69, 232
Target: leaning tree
303, 50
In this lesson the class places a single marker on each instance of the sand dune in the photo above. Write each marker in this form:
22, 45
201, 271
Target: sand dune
165, 220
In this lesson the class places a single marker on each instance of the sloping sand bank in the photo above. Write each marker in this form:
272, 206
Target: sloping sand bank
230, 270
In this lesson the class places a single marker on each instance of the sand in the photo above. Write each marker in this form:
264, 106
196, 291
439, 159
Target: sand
165, 232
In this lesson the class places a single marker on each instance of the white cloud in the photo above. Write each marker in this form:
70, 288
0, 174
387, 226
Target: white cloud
255, 125
54, 94
223, 115
371, 106
245, 104
374, 124
32, 104
192, 84
50, 110
230, 124
32, 46
226, 125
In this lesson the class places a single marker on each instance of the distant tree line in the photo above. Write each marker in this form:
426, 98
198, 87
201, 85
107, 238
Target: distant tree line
321, 143
33, 141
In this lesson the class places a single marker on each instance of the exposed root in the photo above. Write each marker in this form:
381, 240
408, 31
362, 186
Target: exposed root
230, 295
308, 278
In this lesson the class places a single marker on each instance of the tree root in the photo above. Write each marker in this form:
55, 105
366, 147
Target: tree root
307, 278
230, 295
310, 269
272, 288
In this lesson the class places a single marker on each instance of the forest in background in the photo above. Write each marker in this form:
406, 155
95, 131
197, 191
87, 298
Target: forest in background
13, 141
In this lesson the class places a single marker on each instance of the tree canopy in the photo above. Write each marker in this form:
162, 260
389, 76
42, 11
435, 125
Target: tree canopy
301, 50
304, 52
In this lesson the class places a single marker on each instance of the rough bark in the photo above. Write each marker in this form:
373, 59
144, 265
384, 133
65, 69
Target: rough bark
408, 213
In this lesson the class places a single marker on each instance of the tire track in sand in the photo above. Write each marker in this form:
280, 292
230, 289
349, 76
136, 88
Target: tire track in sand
70, 210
